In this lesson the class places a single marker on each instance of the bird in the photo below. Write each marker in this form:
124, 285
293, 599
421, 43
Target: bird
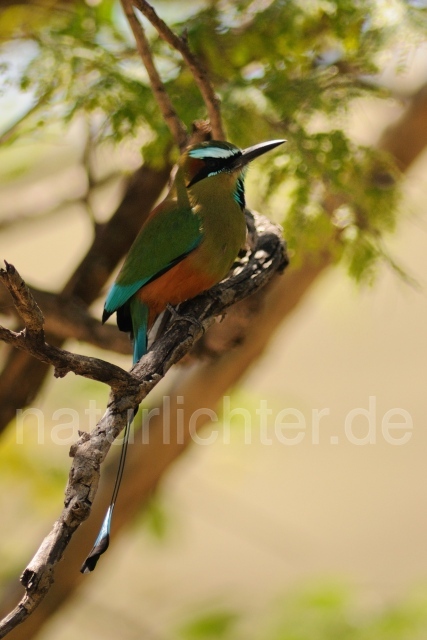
187, 244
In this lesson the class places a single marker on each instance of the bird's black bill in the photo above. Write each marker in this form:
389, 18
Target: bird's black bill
103, 539
251, 153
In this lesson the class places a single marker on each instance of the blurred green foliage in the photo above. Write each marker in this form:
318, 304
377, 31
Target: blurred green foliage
326, 612
155, 518
281, 68
218, 624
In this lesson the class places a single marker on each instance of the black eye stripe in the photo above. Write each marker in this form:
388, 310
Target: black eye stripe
213, 166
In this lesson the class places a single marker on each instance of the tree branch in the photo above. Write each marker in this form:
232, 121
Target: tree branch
68, 318
32, 339
176, 126
128, 390
406, 139
200, 74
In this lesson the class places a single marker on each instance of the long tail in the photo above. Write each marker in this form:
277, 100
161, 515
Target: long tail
139, 316
103, 539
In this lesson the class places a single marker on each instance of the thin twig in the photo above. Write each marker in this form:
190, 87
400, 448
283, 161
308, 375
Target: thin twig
176, 126
254, 271
200, 74
91, 181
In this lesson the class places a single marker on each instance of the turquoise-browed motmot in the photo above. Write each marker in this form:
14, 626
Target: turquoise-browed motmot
187, 244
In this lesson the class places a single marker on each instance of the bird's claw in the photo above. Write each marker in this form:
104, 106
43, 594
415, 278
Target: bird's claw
178, 316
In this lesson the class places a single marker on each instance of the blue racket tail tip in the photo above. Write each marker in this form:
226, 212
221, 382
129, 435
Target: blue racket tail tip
103, 539
101, 543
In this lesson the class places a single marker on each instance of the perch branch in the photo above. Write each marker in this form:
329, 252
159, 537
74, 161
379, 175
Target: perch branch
253, 271
176, 126
200, 74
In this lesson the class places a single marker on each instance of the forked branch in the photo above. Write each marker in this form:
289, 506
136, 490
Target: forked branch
175, 124
180, 44
32, 339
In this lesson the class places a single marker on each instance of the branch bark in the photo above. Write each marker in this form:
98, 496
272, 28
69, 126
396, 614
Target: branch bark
128, 390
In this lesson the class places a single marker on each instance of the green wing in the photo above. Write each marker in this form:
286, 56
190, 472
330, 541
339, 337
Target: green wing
169, 235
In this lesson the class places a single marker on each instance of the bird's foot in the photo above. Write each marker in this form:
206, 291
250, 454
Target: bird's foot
179, 316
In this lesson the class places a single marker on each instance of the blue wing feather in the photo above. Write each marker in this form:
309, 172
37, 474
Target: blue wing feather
119, 294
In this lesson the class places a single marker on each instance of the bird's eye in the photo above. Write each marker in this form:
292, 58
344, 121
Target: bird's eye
214, 163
